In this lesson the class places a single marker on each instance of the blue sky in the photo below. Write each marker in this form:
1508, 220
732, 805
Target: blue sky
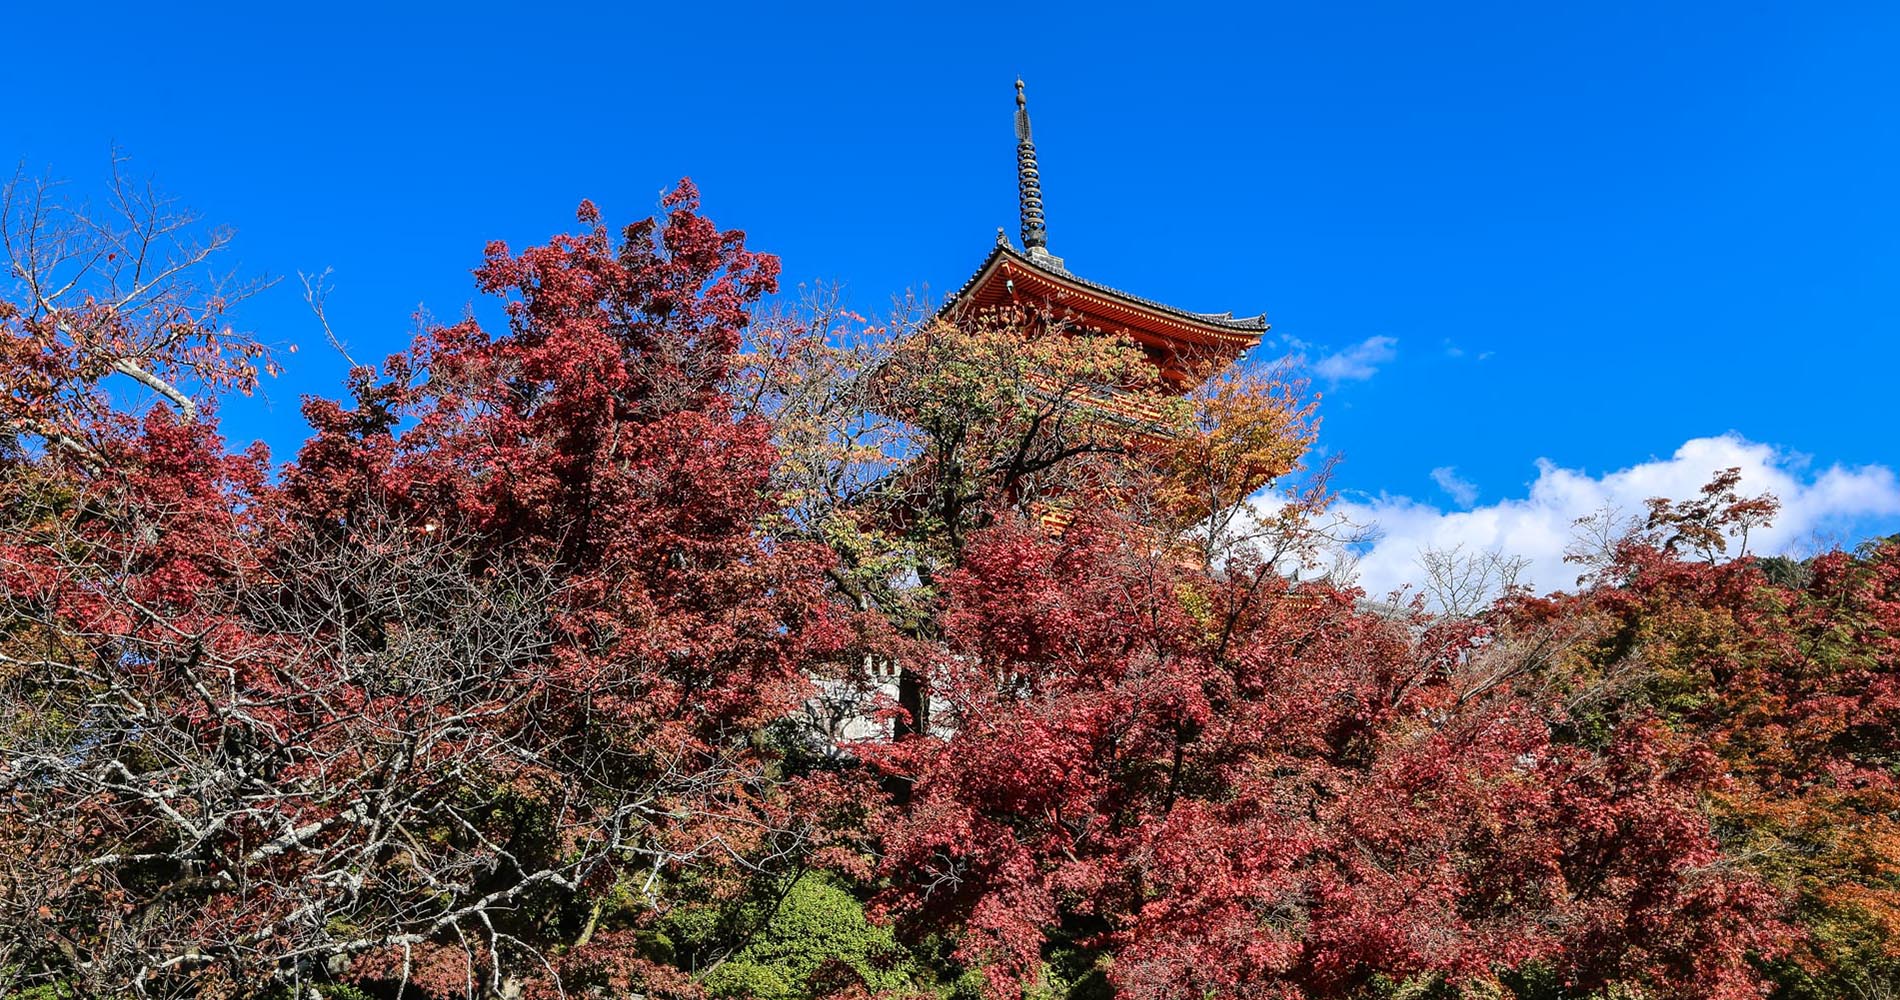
1499, 233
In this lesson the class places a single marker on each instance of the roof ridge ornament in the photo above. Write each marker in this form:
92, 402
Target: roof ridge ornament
1029, 189
1028, 178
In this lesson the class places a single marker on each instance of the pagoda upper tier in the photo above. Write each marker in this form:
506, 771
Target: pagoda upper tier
1181, 343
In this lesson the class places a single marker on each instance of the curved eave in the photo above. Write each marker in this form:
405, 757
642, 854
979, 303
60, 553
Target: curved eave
1107, 306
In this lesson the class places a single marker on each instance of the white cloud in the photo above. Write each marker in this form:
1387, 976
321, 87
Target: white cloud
1462, 491
1358, 362
1835, 501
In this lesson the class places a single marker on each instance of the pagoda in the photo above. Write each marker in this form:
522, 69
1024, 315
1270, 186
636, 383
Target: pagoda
1181, 344
1184, 346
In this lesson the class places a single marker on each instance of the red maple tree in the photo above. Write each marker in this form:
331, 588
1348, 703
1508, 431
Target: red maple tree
492, 690
1222, 784
453, 703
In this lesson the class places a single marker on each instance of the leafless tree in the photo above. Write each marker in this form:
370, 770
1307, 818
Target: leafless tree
1459, 583
132, 285
347, 749
1594, 537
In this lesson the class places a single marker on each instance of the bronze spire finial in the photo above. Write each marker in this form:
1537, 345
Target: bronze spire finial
1028, 178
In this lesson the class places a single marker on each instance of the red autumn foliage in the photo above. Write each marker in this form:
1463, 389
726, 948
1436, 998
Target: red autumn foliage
1238, 788
499, 641
1788, 675
491, 691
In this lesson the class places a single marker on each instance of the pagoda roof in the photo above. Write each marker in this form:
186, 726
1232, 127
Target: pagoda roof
1010, 276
